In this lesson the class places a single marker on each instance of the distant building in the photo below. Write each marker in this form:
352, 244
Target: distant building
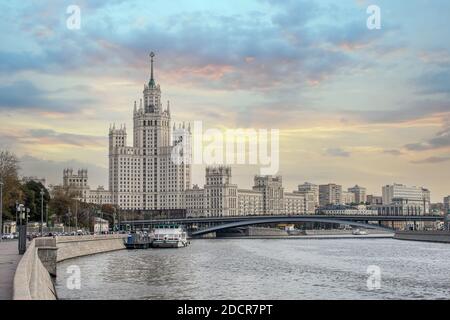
399, 193
360, 194
100, 225
9, 227
348, 197
307, 188
99, 196
374, 200
330, 194
79, 184
447, 205
273, 193
220, 197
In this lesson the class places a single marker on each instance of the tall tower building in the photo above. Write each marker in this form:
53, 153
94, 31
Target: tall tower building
146, 176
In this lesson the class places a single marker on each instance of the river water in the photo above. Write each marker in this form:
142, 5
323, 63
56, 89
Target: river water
264, 269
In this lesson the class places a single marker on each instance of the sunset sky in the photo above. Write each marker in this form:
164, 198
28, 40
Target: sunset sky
353, 105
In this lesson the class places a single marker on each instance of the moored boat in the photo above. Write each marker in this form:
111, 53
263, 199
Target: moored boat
358, 232
169, 236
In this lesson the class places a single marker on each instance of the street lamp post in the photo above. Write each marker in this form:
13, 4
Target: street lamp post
1, 210
22, 243
46, 216
42, 212
17, 211
76, 212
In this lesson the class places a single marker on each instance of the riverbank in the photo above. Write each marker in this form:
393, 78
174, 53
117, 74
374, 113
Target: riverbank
274, 233
426, 236
318, 237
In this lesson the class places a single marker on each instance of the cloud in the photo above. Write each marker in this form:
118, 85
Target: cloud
403, 112
53, 170
435, 82
337, 152
431, 160
213, 50
441, 140
24, 95
48, 136
393, 152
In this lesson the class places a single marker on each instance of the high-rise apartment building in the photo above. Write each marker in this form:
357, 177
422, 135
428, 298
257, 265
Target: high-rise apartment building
145, 176
399, 193
360, 194
307, 188
330, 194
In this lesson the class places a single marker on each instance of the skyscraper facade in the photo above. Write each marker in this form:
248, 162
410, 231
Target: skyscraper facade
145, 176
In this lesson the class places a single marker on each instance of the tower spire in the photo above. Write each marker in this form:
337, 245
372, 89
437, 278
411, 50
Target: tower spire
152, 80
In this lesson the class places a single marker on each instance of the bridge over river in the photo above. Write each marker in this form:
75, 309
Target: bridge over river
203, 225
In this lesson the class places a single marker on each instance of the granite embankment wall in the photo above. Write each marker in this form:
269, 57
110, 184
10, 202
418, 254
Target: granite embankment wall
76, 246
32, 280
429, 236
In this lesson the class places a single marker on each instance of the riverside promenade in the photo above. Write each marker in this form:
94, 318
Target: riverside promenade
9, 258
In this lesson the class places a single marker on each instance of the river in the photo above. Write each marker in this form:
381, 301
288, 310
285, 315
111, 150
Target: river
264, 269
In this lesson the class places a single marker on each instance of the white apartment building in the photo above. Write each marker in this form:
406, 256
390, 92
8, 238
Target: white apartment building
250, 202
307, 188
402, 194
447, 205
220, 197
99, 196
348, 197
78, 183
330, 194
359, 192
144, 176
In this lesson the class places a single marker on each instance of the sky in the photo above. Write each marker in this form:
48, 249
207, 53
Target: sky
353, 105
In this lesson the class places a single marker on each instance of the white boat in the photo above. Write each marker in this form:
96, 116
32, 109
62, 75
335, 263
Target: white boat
169, 236
359, 232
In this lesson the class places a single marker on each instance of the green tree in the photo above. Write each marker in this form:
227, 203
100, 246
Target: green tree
32, 198
12, 191
62, 201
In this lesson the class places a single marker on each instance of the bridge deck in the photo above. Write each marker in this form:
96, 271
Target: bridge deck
315, 216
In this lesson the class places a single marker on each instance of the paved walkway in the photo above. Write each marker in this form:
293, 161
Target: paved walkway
9, 258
